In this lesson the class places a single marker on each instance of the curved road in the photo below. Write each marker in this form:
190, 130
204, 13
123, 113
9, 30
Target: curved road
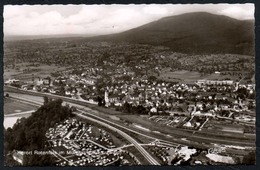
91, 107
150, 159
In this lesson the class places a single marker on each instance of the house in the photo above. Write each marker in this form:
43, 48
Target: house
36, 88
46, 81
38, 81
153, 110
214, 82
67, 92
134, 97
10, 81
89, 81
220, 97
113, 99
60, 80
24, 87
44, 88
117, 103
52, 90
201, 82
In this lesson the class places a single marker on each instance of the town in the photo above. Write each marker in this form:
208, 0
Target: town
147, 95
227, 106
158, 86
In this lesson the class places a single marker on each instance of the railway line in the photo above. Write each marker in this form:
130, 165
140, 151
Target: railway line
194, 139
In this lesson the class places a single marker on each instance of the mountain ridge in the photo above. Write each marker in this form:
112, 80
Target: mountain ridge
198, 32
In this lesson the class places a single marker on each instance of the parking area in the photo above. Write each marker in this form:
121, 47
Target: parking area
79, 144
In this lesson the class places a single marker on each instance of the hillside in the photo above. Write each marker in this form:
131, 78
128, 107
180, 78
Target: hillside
193, 33
28, 134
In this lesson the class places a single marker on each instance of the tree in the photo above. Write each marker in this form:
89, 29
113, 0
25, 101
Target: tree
242, 92
126, 78
249, 159
62, 90
100, 84
126, 107
180, 109
35, 127
99, 100
204, 106
152, 78
237, 161
46, 100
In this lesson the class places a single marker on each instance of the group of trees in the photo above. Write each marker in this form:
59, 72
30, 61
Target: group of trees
101, 101
243, 93
249, 159
128, 108
28, 134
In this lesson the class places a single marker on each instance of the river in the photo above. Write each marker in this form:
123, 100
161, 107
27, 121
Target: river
10, 121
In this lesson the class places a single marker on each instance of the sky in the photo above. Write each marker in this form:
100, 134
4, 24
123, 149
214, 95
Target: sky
103, 19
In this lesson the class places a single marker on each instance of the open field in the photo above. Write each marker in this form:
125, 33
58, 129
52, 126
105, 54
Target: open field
41, 71
185, 76
26, 97
180, 75
14, 106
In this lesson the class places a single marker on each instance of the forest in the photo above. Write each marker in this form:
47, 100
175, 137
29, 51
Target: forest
28, 134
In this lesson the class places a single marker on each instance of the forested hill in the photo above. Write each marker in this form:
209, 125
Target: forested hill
193, 33
28, 134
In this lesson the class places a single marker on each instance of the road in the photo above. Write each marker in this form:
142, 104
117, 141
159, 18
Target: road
198, 136
19, 113
149, 158
237, 120
56, 154
208, 138
177, 141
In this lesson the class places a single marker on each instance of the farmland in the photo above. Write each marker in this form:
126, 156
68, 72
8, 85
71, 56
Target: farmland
27, 71
186, 76
190, 76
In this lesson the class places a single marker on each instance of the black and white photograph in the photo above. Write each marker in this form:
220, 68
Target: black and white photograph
126, 85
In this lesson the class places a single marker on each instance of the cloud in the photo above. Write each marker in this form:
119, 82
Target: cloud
238, 12
155, 10
101, 19
34, 23
13, 11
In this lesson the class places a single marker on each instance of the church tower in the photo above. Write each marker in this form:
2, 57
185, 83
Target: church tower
106, 99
